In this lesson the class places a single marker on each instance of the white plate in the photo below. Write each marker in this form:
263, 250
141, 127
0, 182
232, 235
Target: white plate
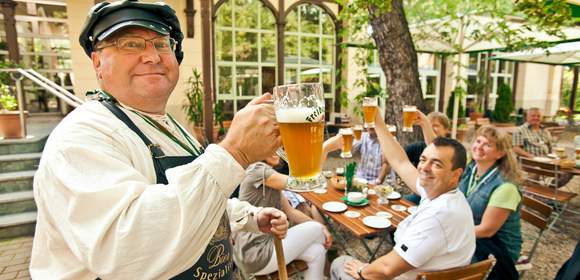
352, 214
394, 195
334, 206
412, 209
384, 214
398, 207
542, 159
319, 191
371, 192
376, 222
552, 155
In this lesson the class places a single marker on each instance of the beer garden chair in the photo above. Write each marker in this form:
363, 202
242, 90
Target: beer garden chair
475, 271
538, 214
541, 181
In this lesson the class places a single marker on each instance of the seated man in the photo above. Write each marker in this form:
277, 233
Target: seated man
532, 140
372, 167
441, 233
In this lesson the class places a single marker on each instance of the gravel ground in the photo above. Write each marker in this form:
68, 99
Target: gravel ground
555, 247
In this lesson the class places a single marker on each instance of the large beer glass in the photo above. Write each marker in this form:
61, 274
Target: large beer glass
300, 115
347, 136
409, 116
357, 129
370, 107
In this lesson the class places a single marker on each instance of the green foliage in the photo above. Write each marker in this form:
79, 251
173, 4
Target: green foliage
461, 111
218, 113
7, 101
567, 89
193, 105
503, 105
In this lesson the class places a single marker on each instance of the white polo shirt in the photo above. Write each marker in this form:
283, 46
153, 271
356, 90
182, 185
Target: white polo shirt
438, 236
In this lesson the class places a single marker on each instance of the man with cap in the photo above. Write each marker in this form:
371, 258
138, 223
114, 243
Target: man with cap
123, 191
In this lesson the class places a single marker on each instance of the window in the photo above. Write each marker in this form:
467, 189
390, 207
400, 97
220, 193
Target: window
309, 49
501, 72
245, 50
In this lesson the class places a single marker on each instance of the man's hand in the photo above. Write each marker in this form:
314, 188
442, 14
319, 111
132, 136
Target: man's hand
274, 221
333, 143
351, 268
327, 238
254, 133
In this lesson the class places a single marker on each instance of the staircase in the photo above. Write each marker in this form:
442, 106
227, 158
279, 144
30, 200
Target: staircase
19, 160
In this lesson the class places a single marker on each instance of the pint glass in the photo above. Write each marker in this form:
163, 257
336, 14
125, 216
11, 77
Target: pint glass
300, 116
347, 136
409, 116
357, 129
370, 107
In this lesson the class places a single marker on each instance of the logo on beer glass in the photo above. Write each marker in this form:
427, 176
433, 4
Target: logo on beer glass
300, 116
409, 116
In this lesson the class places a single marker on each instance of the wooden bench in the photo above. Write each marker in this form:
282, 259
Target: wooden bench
292, 268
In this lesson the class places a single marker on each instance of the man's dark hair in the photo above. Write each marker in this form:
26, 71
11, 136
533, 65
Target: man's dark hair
459, 153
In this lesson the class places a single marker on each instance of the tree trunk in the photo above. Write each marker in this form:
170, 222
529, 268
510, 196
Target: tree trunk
398, 60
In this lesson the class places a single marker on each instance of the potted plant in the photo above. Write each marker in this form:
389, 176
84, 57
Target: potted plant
193, 107
503, 105
9, 117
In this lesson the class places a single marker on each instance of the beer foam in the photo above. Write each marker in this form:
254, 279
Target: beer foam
345, 131
300, 115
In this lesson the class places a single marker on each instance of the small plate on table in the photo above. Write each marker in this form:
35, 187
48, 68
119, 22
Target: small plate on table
319, 191
398, 207
376, 222
352, 214
394, 195
412, 209
334, 206
384, 214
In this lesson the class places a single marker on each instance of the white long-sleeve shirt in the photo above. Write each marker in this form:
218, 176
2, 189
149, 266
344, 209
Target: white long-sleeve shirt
101, 213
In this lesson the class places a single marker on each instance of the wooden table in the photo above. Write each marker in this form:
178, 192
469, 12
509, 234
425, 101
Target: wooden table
574, 171
355, 225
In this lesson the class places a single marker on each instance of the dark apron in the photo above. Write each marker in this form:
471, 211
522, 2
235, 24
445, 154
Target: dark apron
216, 261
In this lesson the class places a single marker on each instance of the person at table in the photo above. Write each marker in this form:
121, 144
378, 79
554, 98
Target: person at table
307, 240
490, 185
533, 140
439, 128
440, 234
122, 190
372, 166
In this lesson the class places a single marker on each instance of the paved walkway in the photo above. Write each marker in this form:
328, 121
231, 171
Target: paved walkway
14, 258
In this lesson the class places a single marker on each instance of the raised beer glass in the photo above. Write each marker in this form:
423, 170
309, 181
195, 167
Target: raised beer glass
370, 107
300, 115
347, 136
409, 116
357, 129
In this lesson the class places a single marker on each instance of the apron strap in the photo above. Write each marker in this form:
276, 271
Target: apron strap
154, 149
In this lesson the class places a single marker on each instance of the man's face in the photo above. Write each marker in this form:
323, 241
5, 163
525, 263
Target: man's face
438, 128
436, 169
534, 117
137, 78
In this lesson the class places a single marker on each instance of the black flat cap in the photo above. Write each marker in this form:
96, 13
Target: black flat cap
106, 18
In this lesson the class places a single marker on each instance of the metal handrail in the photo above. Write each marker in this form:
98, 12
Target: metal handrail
43, 82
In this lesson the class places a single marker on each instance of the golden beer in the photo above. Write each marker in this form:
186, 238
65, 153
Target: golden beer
357, 129
409, 116
303, 145
370, 107
347, 137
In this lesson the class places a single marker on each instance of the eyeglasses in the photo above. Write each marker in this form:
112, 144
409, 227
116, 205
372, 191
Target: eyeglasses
138, 44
